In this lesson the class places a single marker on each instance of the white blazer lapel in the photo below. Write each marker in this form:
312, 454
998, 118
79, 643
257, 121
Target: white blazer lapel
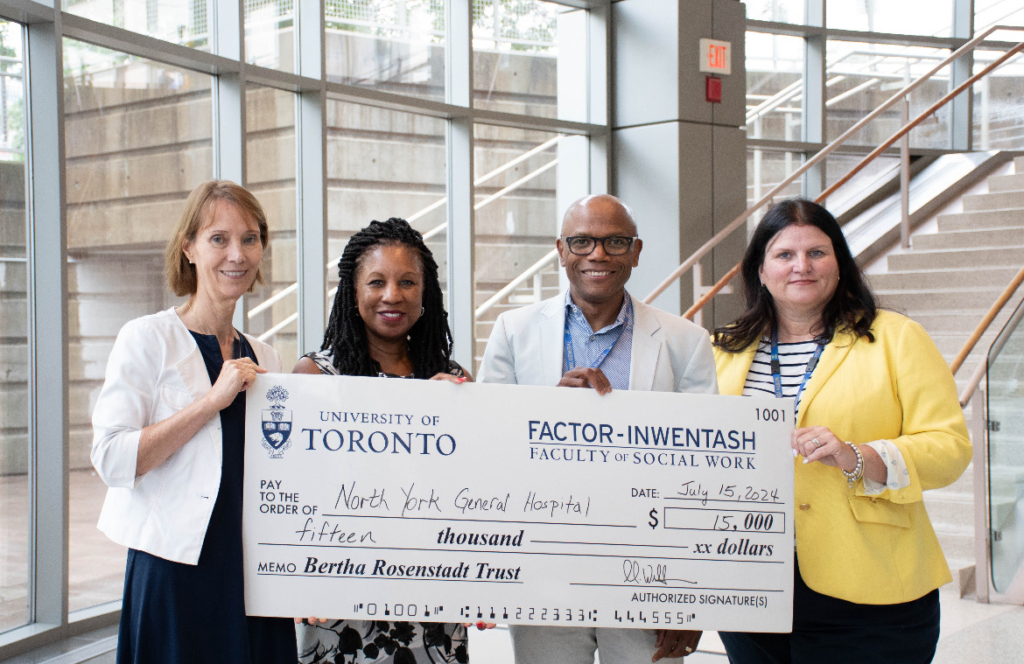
552, 336
192, 370
191, 366
646, 348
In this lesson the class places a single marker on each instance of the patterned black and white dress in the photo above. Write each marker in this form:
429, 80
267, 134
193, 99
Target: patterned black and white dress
380, 641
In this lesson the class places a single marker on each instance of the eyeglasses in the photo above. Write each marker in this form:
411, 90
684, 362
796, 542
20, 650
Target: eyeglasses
615, 245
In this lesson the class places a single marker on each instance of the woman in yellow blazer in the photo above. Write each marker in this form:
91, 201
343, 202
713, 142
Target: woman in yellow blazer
877, 423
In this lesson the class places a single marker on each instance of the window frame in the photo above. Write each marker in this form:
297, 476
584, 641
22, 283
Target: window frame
45, 25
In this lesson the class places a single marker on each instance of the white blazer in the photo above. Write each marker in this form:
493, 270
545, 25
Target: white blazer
156, 369
669, 353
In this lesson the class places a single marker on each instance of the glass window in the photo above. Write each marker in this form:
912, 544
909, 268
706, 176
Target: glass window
138, 139
517, 220
933, 18
775, 71
270, 155
14, 349
182, 22
518, 65
392, 46
998, 12
998, 111
270, 34
861, 77
782, 11
383, 164
765, 170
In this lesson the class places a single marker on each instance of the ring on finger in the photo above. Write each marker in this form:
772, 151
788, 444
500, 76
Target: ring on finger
817, 443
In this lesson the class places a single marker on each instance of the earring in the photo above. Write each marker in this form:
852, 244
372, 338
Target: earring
423, 310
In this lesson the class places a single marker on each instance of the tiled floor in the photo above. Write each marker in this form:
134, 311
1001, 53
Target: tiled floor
96, 564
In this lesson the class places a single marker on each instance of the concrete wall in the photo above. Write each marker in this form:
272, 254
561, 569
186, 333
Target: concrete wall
14, 368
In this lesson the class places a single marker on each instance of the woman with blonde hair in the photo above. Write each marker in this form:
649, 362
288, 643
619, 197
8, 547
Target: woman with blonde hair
168, 442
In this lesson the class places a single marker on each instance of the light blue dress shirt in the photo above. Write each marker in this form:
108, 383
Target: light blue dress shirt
587, 345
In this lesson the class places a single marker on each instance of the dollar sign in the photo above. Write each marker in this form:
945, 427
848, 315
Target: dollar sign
653, 523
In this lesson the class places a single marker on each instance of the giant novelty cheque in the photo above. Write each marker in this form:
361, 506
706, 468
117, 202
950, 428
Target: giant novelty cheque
430, 501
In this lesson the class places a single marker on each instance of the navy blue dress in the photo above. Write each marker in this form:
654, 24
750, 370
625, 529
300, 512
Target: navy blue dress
175, 613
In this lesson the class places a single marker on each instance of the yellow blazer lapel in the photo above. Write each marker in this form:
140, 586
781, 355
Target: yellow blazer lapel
833, 355
733, 369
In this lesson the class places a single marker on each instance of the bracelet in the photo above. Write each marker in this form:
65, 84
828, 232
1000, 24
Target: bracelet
858, 471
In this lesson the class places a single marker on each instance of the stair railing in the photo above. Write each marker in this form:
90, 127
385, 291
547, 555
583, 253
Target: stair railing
288, 290
796, 88
896, 98
983, 325
530, 273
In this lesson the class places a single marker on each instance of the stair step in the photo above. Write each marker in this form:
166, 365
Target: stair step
951, 259
964, 485
1013, 182
957, 541
962, 222
914, 302
1003, 237
950, 509
947, 322
996, 200
995, 277
522, 299
950, 344
999, 218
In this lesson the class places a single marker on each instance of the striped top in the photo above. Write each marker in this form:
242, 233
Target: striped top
793, 359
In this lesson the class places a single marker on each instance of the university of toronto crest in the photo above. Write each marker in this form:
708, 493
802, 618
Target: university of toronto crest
277, 423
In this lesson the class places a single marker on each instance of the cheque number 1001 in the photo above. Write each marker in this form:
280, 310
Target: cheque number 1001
770, 414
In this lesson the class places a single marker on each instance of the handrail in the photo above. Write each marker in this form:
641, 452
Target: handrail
945, 99
827, 150
278, 296
975, 337
484, 178
795, 88
483, 308
512, 285
831, 147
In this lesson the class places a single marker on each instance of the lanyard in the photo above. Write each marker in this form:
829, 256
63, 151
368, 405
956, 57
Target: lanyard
570, 357
777, 369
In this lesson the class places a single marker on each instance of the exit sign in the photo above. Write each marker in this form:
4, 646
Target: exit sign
715, 57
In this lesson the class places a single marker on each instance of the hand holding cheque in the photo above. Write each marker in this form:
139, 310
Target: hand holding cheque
491, 502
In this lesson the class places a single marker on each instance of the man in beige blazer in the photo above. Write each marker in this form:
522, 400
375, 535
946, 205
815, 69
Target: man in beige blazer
596, 336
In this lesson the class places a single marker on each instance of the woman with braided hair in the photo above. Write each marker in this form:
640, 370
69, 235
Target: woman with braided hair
388, 320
